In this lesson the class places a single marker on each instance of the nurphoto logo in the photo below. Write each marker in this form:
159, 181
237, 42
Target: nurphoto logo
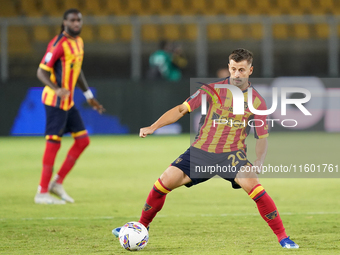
238, 103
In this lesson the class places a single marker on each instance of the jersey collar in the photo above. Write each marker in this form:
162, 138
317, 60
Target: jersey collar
68, 36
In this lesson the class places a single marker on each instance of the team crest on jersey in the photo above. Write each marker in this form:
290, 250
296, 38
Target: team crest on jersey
146, 207
178, 160
271, 215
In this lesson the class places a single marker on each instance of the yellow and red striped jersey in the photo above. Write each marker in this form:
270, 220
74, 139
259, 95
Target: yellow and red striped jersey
63, 59
221, 130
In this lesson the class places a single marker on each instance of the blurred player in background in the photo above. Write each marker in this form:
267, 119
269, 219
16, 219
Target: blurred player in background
167, 62
60, 70
222, 144
179, 59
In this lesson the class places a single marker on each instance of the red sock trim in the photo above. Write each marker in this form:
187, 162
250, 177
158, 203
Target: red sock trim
254, 188
158, 191
159, 179
160, 187
259, 195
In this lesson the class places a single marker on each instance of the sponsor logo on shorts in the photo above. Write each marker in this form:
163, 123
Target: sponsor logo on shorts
178, 160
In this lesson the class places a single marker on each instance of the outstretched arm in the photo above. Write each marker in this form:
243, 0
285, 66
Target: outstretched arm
82, 83
167, 118
44, 77
261, 152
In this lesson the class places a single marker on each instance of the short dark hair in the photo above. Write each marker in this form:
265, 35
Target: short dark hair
66, 13
240, 54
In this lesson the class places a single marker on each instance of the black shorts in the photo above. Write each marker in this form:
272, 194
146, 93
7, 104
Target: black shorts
59, 122
200, 165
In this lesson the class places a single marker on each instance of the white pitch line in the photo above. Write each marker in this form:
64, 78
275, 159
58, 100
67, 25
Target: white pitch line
166, 216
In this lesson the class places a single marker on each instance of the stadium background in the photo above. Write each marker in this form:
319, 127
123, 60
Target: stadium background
110, 182
287, 37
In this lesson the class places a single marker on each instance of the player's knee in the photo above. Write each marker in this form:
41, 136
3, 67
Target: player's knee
247, 183
173, 178
83, 142
247, 180
165, 179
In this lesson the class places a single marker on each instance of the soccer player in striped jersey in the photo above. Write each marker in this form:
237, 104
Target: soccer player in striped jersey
60, 71
222, 144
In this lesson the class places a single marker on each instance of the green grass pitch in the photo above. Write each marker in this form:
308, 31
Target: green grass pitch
113, 177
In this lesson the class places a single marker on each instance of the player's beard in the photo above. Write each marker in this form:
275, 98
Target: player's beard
73, 33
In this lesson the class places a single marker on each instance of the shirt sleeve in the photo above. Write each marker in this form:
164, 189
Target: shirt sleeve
194, 101
260, 123
53, 53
